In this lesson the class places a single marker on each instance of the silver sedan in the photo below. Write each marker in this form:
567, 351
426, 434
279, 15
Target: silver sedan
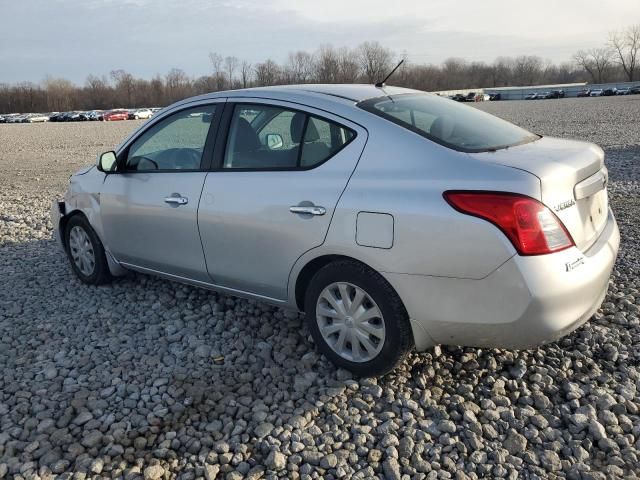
393, 218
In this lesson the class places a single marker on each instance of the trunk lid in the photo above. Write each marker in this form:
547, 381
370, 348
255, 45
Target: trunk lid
573, 181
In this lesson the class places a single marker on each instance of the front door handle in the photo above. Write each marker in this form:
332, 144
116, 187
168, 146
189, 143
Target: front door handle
176, 199
308, 210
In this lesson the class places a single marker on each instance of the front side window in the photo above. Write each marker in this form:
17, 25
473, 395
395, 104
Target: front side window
269, 137
448, 123
175, 143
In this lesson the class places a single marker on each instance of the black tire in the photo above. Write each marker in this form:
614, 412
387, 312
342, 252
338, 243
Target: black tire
398, 340
100, 273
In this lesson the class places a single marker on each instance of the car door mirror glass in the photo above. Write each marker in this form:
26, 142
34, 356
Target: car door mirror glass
107, 162
274, 141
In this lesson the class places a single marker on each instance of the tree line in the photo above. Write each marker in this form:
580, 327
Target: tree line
367, 63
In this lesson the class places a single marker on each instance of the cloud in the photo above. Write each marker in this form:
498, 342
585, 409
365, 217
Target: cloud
72, 38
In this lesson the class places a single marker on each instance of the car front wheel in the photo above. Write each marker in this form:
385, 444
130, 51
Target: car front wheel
85, 251
357, 319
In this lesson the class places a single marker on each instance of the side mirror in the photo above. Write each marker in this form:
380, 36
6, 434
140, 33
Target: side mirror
107, 162
274, 141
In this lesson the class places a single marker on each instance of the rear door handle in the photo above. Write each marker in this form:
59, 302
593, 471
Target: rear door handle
308, 210
176, 199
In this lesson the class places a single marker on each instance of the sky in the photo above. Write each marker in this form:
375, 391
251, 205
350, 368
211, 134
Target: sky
73, 38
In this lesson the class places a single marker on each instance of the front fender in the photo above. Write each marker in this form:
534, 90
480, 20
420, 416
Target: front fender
83, 196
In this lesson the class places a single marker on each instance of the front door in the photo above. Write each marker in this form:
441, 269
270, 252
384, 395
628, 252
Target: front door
273, 196
149, 206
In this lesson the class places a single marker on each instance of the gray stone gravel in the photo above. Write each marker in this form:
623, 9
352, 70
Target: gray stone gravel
150, 379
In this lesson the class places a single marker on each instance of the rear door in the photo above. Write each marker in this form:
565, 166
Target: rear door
273, 194
149, 206
573, 182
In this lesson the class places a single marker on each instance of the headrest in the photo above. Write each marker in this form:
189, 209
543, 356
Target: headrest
246, 137
442, 128
297, 127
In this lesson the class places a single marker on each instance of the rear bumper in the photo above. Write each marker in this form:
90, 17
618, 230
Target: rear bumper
526, 302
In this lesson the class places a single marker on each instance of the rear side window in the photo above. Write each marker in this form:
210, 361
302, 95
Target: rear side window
322, 139
454, 125
270, 137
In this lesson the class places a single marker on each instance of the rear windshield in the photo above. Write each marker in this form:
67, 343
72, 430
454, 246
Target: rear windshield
449, 123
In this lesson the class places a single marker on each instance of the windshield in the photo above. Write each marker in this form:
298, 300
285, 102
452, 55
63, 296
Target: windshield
447, 122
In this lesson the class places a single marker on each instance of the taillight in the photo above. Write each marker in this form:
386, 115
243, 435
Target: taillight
531, 227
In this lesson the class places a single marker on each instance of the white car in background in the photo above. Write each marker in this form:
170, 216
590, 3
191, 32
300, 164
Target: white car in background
37, 118
596, 92
141, 114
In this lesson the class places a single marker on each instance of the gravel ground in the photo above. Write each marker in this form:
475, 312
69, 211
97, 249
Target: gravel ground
150, 379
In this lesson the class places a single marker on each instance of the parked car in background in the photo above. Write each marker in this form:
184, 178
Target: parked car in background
56, 117
556, 94
502, 238
9, 117
458, 97
596, 92
493, 97
609, 92
623, 91
36, 118
95, 115
114, 115
584, 93
531, 96
140, 113
72, 117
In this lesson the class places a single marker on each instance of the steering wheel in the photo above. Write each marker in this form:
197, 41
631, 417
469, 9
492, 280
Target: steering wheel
191, 157
147, 159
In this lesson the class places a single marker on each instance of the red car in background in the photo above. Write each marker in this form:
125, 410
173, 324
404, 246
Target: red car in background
114, 115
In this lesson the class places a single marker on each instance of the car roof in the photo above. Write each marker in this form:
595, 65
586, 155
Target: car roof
351, 93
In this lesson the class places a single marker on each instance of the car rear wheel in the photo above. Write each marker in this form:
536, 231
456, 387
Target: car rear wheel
357, 319
85, 252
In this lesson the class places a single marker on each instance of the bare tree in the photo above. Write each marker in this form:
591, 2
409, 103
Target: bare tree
245, 74
300, 67
348, 66
230, 65
98, 91
528, 70
453, 73
267, 73
59, 93
204, 84
156, 85
626, 45
375, 61
326, 65
177, 85
370, 62
124, 86
596, 62
216, 66
501, 71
